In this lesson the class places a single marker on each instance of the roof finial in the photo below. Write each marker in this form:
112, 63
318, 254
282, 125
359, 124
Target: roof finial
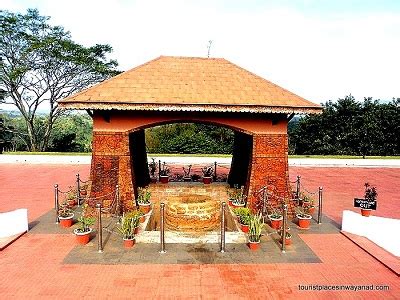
209, 48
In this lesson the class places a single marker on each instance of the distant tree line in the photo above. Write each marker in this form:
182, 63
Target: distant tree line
349, 127
345, 127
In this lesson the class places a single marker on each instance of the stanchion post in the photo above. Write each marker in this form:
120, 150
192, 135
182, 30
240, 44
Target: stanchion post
215, 171
319, 204
118, 207
264, 199
78, 190
222, 246
159, 169
99, 229
284, 227
56, 205
298, 189
162, 229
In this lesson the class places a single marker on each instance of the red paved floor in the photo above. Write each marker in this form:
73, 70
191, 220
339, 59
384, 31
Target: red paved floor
32, 266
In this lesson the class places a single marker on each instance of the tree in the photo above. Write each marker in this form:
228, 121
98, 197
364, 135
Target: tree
6, 135
40, 65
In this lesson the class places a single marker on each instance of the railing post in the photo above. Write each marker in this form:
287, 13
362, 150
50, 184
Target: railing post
284, 225
298, 189
319, 204
222, 246
215, 171
118, 207
159, 169
99, 229
56, 204
78, 190
264, 199
162, 233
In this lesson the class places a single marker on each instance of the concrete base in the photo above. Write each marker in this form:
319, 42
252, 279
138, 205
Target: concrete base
382, 231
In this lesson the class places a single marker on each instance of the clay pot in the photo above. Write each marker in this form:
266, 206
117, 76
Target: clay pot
288, 241
237, 205
276, 223
145, 208
304, 222
254, 245
207, 180
128, 243
164, 178
245, 228
83, 192
142, 219
311, 210
66, 222
366, 212
82, 237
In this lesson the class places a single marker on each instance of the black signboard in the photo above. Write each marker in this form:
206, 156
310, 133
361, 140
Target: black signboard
362, 203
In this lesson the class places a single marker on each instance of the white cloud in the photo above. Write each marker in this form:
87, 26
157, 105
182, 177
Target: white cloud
319, 57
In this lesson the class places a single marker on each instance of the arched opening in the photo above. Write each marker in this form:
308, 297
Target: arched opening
189, 138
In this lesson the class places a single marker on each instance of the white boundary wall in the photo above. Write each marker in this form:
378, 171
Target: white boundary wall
13, 222
382, 231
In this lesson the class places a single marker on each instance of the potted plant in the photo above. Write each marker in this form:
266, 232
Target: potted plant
255, 227
207, 174
276, 219
288, 238
127, 228
186, 174
370, 195
153, 170
244, 221
237, 197
84, 222
137, 213
241, 211
304, 219
65, 215
70, 198
143, 200
164, 173
308, 204
83, 189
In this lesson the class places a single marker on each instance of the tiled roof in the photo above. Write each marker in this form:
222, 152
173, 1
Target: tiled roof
189, 84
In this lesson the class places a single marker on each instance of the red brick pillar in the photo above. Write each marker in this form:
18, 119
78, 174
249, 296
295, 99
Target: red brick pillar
269, 166
111, 165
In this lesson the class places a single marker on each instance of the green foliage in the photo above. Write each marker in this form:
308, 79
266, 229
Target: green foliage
144, 196
40, 65
6, 135
255, 227
348, 127
189, 139
127, 226
85, 220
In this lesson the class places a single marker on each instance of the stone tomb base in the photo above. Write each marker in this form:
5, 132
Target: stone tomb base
192, 214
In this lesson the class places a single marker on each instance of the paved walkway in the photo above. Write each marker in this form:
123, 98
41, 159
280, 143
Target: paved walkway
38, 264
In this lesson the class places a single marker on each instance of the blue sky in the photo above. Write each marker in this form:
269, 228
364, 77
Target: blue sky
320, 50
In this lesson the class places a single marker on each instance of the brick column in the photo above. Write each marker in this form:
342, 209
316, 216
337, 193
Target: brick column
111, 165
269, 166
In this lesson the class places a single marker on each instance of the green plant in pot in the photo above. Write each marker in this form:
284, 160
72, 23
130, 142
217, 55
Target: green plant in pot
237, 198
255, 227
276, 218
128, 224
164, 173
186, 173
65, 215
143, 199
84, 222
304, 218
245, 222
308, 204
207, 174
371, 195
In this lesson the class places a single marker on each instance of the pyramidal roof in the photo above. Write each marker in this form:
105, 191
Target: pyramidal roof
190, 84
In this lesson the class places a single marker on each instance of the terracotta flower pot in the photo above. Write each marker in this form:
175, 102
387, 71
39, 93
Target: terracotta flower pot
254, 245
311, 210
288, 241
66, 222
366, 212
237, 205
71, 203
164, 179
145, 208
128, 243
276, 223
83, 192
142, 219
230, 202
207, 180
304, 222
245, 228
82, 237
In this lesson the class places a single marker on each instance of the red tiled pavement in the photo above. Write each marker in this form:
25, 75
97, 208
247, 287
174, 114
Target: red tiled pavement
32, 266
